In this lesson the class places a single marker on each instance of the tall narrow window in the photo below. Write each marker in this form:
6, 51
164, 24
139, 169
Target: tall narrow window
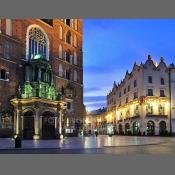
135, 83
61, 32
9, 27
75, 75
7, 51
75, 58
37, 43
150, 79
60, 70
60, 51
68, 22
162, 82
68, 37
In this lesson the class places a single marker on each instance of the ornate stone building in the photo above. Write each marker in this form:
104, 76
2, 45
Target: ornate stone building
144, 101
41, 63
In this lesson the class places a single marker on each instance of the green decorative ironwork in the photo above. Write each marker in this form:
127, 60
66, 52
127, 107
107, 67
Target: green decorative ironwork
38, 87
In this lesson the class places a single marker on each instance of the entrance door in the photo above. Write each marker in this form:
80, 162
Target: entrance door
48, 125
28, 125
162, 128
150, 128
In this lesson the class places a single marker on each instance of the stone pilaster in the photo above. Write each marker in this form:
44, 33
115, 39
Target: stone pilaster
37, 125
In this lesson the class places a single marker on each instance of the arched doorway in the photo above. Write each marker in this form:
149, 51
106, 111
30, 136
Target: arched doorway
120, 129
162, 128
127, 128
48, 125
150, 128
136, 128
28, 125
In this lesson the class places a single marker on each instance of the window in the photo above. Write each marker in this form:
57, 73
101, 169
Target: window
48, 21
7, 50
161, 109
68, 105
75, 75
68, 56
61, 32
120, 94
135, 95
3, 74
162, 93
60, 51
9, 27
75, 58
68, 22
126, 99
37, 43
125, 91
150, 92
150, 79
135, 83
75, 40
68, 37
136, 111
149, 109
60, 70
68, 75
162, 81
128, 88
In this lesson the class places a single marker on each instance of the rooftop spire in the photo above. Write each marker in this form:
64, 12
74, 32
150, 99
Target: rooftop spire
149, 57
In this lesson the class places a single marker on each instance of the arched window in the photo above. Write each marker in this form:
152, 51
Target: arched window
75, 40
75, 75
37, 43
61, 32
150, 128
60, 70
9, 27
60, 51
75, 58
68, 37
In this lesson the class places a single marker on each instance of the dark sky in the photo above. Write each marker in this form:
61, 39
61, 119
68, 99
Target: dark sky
112, 46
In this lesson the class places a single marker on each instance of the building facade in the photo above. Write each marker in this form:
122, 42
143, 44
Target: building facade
59, 42
144, 101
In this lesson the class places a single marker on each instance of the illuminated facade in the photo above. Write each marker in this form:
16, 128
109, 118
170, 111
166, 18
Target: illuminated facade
41, 59
144, 101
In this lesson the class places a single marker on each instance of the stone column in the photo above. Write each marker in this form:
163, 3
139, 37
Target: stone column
40, 118
37, 125
60, 121
18, 122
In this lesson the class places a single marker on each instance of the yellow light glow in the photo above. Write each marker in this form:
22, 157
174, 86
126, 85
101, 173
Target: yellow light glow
36, 137
61, 136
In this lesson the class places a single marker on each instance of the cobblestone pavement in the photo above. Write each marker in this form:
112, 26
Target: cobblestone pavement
93, 145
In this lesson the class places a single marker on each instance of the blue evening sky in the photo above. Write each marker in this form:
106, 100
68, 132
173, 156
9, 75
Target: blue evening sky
111, 46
